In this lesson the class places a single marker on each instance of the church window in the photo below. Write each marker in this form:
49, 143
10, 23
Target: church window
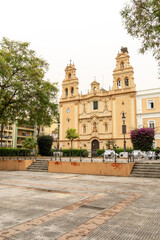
66, 90
119, 83
95, 105
69, 75
122, 64
150, 104
72, 90
126, 81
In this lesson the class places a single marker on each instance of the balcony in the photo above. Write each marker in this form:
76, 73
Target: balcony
27, 128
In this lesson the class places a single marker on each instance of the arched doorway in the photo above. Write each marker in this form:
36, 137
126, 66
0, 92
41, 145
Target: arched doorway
94, 147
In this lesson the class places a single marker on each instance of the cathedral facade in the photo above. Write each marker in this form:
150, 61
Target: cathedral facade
97, 116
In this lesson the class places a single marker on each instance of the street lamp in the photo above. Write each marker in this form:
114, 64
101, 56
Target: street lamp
124, 129
58, 135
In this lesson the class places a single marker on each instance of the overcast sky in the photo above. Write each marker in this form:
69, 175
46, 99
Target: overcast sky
89, 32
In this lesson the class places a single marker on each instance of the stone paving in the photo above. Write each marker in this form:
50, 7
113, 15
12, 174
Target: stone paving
36, 206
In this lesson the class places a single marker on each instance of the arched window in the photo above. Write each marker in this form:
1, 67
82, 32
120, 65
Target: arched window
122, 65
66, 91
126, 82
69, 75
72, 90
84, 128
119, 83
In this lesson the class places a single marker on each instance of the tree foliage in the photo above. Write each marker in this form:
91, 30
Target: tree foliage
142, 20
25, 97
142, 139
29, 143
110, 144
45, 145
71, 134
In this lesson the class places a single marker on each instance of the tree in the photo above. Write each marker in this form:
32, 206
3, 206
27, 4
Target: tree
71, 134
142, 139
29, 143
142, 20
25, 97
110, 143
45, 145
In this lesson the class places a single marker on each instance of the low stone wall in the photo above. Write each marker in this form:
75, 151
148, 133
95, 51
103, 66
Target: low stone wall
93, 168
14, 165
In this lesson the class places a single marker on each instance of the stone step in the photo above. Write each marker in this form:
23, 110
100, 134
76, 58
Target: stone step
147, 164
143, 166
148, 170
148, 173
38, 166
37, 170
145, 176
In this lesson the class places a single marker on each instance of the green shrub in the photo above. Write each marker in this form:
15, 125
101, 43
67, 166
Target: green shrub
74, 152
14, 152
100, 152
45, 144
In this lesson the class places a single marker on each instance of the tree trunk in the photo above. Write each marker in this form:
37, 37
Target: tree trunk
2, 127
38, 131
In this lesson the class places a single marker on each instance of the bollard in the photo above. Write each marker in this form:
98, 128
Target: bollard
103, 154
80, 155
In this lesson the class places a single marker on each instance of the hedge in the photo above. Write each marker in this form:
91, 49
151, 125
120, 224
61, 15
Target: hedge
73, 152
14, 152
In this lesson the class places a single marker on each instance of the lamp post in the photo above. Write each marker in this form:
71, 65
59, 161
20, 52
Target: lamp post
58, 135
124, 129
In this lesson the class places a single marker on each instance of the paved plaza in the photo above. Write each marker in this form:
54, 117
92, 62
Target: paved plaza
46, 206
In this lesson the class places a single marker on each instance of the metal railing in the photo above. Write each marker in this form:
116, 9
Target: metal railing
88, 156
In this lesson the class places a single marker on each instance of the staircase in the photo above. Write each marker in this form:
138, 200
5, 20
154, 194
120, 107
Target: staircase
39, 165
148, 170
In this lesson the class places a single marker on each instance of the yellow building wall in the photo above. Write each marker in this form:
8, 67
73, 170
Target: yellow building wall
49, 130
155, 119
145, 108
126, 104
68, 120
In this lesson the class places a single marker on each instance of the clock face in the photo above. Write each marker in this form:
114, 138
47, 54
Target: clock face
68, 110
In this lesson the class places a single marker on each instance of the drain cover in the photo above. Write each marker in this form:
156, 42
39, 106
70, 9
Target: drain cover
92, 207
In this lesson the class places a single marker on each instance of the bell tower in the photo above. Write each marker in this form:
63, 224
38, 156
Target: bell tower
123, 73
69, 105
70, 83
123, 97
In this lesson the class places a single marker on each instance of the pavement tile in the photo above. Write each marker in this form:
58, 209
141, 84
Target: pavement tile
49, 206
